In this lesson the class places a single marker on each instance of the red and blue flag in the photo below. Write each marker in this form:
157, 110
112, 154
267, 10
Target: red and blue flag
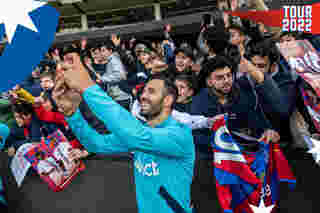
243, 177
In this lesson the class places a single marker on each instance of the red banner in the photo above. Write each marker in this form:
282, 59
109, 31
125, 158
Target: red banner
292, 18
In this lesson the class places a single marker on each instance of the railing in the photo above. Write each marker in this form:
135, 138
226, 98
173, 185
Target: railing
129, 29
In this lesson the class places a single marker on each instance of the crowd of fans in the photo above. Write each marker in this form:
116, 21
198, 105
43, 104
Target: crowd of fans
235, 68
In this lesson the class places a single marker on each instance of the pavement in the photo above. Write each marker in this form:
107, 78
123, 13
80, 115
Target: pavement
107, 185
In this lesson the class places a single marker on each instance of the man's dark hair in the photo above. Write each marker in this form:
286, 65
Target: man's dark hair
217, 39
218, 62
170, 87
189, 79
23, 108
108, 44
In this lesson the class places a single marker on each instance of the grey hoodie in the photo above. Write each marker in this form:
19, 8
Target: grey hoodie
115, 72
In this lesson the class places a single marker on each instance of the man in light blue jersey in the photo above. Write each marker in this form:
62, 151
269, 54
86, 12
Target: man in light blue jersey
163, 148
4, 133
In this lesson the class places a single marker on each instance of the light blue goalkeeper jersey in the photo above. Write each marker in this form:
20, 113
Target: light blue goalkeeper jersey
163, 155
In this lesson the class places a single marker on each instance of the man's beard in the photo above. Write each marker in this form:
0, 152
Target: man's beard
151, 115
155, 110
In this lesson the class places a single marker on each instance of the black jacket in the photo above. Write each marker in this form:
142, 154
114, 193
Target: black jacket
183, 107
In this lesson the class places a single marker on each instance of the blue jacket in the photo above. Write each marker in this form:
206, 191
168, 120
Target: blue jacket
163, 155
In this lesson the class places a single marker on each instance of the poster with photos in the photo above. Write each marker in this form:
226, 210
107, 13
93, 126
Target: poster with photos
50, 159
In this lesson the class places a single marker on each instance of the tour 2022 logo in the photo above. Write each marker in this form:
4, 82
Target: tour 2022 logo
30, 28
290, 16
297, 18
300, 16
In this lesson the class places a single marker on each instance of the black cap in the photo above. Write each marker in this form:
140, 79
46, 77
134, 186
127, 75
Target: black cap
108, 44
217, 39
93, 45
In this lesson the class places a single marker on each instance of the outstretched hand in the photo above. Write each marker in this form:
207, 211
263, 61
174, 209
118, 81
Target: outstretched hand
248, 67
66, 99
74, 74
116, 40
71, 81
